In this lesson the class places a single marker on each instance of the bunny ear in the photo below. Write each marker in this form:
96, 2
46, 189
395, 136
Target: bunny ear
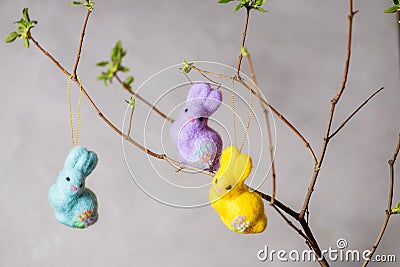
240, 164
228, 158
82, 160
87, 162
73, 157
213, 101
199, 90
243, 166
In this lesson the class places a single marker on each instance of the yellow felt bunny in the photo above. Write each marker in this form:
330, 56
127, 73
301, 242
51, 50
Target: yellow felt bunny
241, 210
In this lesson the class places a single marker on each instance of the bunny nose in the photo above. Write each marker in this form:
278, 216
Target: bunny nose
74, 188
219, 190
191, 119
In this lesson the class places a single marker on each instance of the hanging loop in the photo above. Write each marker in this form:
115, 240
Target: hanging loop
74, 133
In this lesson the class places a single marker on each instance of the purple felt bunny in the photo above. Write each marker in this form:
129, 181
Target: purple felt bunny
199, 145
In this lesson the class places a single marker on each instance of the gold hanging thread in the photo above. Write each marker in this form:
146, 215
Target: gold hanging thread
248, 119
75, 133
233, 112
234, 116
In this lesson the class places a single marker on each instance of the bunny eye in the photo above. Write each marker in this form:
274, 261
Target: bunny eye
186, 109
80, 186
201, 119
229, 187
68, 179
216, 180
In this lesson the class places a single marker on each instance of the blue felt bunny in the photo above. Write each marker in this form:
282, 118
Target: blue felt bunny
73, 203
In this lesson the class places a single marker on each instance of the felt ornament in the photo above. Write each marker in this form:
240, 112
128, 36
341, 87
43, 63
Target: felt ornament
73, 203
198, 144
240, 209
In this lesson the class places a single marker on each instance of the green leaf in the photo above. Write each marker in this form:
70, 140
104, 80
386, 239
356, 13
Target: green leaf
102, 78
187, 66
244, 51
88, 4
11, 37
224, 1
260, 2
129, 80
117, 53
261, 9
396, 209
24, 27
117, 49
392, 9
76, 3
102, 63
239, 6
131, 103
26, 43
114, 66
123, 69
25, 15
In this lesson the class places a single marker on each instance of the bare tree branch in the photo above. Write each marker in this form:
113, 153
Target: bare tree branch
354, 113
388, 210
334, 101
78, 54
244, 34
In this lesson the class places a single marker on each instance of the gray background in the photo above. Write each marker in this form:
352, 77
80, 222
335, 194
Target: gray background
298, 49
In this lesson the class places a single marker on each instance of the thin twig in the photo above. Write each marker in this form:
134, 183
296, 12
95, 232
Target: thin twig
244, 34
271, 156
47, 54
153, 107
208, 78
270, 145
354, 113
211, 73
334, 101
398, 34
187, 77
388, 210
130, 121
78, 54
289, 222
205, 73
